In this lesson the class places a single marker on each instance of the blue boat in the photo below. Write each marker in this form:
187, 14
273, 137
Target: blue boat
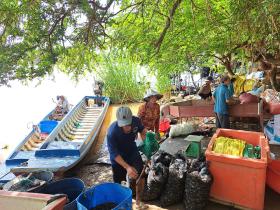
67, 143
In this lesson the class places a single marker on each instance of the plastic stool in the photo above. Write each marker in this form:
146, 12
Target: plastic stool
194, 148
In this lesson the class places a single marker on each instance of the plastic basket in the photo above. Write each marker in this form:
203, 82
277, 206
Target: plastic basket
105, 193
47, 126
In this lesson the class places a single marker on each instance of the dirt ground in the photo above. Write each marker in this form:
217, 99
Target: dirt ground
93, 174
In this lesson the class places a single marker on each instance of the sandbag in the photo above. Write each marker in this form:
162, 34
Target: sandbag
197, 184
182, 129
246, 98
155, 183
174, 188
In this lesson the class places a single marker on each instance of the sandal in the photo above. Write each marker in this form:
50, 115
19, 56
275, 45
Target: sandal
142, 206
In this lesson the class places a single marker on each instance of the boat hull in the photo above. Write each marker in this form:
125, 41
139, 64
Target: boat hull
70, 141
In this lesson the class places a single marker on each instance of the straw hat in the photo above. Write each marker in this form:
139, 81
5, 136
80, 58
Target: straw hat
151, 93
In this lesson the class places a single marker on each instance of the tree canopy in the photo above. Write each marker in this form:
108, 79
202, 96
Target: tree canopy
166, 35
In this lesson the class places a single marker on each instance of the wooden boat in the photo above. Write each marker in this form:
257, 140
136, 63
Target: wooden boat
27, 147
70, 141
30, 201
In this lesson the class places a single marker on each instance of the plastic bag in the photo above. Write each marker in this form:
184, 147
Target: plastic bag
228, 146
198, 184
162, 157
155, 183
174, 189
246, 98
182, 129
150, 145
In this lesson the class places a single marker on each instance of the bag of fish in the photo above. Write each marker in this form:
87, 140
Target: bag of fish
198, 184
157, 175
157, 178
162, 157
174, 189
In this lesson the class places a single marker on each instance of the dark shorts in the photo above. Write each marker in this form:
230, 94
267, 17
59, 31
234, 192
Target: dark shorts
222, 121
119, 173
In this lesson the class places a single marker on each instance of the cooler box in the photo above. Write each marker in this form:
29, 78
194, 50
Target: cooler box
273, 175
239, 181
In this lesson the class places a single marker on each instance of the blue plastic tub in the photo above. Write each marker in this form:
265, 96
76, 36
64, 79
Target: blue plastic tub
105, 193
47, 126
72, 187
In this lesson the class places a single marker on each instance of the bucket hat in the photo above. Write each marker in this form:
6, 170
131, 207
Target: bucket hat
151, 93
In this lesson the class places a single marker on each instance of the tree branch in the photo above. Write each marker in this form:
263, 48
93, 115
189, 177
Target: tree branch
167, 24
124, 9
100, 7
60, 19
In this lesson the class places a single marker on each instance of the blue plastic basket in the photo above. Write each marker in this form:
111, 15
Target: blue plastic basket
47, 126
105, 193
72, 187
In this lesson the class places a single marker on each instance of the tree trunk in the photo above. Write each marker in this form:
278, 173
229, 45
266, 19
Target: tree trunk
227, 64
193, 81
273, 80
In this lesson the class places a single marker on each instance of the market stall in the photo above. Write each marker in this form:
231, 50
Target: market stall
201, 108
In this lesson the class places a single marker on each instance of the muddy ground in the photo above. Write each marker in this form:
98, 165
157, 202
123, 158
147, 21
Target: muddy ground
93, 174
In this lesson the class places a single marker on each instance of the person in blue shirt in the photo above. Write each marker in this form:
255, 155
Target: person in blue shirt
221, 98
124, 155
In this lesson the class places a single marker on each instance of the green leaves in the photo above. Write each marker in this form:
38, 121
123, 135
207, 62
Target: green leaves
166, 35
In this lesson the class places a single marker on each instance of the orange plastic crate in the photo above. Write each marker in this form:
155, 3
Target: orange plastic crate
273, 175
239, 181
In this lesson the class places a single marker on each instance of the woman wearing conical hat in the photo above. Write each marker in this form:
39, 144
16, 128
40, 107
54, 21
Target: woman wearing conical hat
149, 112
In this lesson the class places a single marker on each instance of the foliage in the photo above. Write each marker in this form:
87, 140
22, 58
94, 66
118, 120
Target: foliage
163, 84
35, 34
170, 34
166, 35
122, 77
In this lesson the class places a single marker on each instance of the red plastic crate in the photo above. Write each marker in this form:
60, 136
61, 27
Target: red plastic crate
239, 181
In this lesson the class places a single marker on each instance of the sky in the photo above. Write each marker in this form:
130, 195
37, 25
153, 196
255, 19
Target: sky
21, 105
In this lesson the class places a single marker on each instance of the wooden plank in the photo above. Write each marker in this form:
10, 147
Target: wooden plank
22, 201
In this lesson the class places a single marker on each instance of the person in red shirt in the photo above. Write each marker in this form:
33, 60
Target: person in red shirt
149, 112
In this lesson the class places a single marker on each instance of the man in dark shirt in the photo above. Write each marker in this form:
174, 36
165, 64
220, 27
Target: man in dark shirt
124, 155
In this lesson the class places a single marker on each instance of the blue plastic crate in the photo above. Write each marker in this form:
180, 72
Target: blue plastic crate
47, 126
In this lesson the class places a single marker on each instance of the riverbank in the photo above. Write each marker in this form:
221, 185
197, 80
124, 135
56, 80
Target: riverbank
93, 174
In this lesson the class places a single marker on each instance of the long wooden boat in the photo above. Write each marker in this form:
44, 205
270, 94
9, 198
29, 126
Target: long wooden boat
27, 147
70, 141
